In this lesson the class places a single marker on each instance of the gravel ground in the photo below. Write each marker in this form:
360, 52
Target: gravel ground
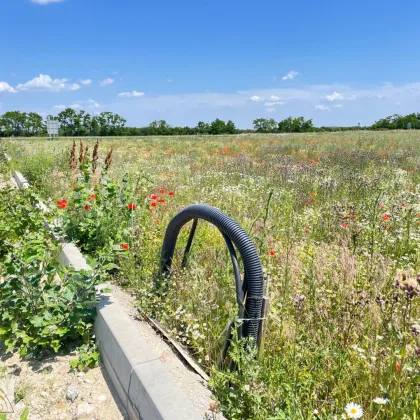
52, 391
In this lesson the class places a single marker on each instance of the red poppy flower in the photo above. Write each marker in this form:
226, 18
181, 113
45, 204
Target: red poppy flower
62, 204
153, 204
153, 197
124, 246
171, 193
345, 225
402, 204
162, 191
308, 201
386, 216
161, 200
132, 206
272, 253
91, 197
398, 366
86, 207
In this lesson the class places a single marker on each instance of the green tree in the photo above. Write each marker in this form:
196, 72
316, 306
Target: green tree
84, 121
263, 125
159, 128
296, 125
218, 126
68, 122
35, 124
14, 123
203, 128
230, 127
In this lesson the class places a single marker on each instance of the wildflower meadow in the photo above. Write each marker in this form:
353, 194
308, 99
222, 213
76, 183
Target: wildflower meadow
335, 219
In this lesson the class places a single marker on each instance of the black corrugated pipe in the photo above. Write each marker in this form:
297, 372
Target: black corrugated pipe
252, 289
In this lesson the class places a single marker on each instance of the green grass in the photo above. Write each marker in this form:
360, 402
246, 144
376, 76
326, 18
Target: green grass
339, 330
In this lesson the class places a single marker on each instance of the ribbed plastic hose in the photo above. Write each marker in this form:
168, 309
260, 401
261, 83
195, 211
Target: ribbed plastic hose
253, 272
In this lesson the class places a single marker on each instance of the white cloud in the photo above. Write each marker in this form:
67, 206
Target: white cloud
274, 98
338, 106
322, 108
93, 104
169, 80
107, 81
379, 96
271, 109
255, 98
188, 108
5, 87
397, 103
270, 104
335, 96
45, 82
86, 82
74, 106
291, 75
79, 105
133, 94
44, 2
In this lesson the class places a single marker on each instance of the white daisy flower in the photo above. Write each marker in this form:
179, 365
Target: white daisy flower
380, 401
354, 411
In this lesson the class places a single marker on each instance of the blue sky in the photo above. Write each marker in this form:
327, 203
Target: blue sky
337, 62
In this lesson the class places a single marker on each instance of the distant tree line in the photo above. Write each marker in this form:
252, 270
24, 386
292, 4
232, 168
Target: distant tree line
72, 123
398, 122
81, 123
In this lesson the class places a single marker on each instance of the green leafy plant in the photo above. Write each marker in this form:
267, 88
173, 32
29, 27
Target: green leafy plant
240, 390
43, 306
88, 356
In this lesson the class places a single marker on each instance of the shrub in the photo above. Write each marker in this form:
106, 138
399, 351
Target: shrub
43, 306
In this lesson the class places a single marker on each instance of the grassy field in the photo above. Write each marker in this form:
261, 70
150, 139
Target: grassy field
335, 217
